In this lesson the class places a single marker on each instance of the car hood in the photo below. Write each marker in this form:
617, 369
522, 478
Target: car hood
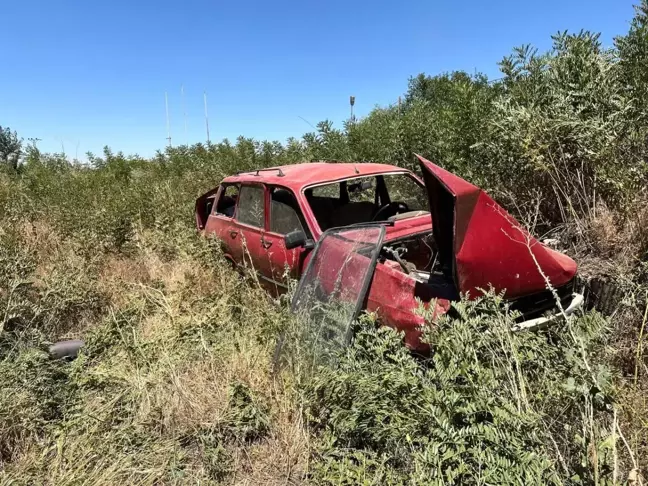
481, 245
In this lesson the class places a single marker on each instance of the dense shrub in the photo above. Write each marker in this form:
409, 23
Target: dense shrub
490, 406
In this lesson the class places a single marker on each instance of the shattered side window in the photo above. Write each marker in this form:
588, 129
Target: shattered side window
333, 288
284, 219
227, 202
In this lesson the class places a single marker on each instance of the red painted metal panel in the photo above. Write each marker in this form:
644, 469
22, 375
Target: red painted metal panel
490, 246
279, 258
392, 296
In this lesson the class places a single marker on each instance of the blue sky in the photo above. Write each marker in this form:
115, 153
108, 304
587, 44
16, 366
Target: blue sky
87, 74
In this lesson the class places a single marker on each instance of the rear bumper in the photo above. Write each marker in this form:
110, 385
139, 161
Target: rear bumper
576, 303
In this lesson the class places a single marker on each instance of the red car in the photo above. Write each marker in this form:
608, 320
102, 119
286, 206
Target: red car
376, 237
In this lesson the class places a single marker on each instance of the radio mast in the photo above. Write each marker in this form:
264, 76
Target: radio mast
166, 104
184, 111
206, 115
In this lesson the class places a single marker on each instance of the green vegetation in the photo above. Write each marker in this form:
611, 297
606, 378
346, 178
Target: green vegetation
176, 383
10, 148
483, 410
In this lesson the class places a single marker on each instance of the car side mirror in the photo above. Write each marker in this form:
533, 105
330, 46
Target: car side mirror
296, 239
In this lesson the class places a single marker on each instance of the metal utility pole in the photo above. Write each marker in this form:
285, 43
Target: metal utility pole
166, 103
352, 102
206, 115
184, 110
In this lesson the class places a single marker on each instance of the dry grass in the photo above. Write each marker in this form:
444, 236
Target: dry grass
150, 403
615, 243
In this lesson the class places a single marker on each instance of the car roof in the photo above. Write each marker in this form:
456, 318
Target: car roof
298, 176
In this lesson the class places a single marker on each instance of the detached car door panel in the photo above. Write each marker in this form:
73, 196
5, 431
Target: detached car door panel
334, 286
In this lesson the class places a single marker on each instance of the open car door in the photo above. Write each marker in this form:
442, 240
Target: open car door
334, 286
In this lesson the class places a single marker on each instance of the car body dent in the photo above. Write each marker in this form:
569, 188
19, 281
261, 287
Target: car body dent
396, 298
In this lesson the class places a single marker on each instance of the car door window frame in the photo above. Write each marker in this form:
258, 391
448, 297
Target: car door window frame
220, 195
264, 201
299, 212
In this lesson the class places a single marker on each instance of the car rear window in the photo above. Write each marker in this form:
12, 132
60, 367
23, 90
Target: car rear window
403, 188
251, 206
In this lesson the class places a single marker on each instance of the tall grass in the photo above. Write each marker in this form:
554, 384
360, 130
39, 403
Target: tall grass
174, 384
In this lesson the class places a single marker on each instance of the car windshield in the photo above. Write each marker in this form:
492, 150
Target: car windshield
382, 197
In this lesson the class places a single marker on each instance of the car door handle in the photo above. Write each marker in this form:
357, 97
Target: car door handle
266, 244
233, 233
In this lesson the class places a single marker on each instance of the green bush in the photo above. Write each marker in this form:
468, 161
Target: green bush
490, 406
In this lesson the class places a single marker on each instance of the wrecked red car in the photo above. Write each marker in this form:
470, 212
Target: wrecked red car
376, 237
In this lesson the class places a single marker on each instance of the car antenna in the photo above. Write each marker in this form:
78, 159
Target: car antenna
356, 169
